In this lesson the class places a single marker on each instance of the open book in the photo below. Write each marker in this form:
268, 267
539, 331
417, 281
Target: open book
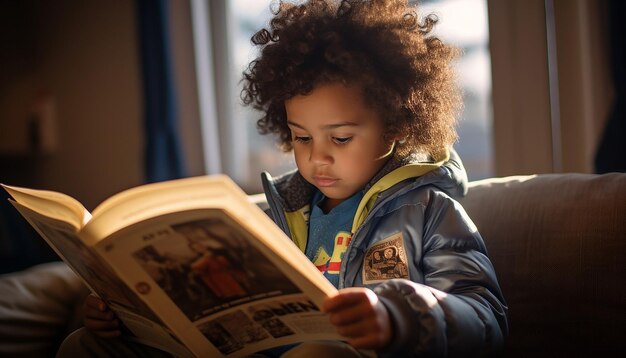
191, 266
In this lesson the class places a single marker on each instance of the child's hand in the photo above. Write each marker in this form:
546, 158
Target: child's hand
99, 319
359, 316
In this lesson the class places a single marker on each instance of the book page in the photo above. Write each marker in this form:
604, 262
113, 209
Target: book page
151, 200
139, 329
101, 280
217, 191
218, 288
52, 204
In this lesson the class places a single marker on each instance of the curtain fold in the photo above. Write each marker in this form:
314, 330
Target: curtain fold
163, 159
610, 153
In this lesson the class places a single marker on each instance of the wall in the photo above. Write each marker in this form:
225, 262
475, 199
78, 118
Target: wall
85, 55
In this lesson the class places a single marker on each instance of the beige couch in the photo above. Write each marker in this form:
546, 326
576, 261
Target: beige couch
558, 243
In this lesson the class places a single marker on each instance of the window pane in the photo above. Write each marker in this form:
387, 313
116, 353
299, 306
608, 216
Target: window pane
462, 23
248, 17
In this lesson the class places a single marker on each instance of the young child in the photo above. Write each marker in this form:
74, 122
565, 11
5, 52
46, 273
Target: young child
366, 99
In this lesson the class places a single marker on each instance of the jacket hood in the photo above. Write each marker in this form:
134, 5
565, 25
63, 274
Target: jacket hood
289, 195
451, 177
410, 173
446, 172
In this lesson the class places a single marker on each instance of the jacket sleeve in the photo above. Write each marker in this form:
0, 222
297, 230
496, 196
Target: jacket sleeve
459, 308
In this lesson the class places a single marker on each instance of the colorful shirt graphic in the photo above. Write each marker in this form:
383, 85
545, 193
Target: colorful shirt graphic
329, 235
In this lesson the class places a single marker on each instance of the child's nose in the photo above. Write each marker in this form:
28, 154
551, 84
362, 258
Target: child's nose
320, 155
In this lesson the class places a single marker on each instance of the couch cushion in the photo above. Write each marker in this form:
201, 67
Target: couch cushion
558, 243
38, 308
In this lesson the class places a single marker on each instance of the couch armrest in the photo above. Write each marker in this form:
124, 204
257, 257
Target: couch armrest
558, 244
38, 308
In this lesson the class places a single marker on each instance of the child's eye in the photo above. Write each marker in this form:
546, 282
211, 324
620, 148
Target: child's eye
342, 140
302, 139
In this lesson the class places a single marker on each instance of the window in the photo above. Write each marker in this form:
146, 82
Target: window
248, 17
464, 24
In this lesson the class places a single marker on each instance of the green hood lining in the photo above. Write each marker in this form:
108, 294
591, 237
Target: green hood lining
389, 180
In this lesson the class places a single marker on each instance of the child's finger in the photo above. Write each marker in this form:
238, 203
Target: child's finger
348, 298
351, 315
95, 302
94, 313
367, 342
108, 334
96, 325
365, 334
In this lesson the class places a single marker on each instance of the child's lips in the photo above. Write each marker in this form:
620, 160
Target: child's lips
324, 181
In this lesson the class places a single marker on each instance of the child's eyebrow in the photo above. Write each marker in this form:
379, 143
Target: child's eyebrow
328, 126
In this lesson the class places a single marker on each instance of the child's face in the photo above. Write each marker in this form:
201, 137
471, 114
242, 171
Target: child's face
337, 140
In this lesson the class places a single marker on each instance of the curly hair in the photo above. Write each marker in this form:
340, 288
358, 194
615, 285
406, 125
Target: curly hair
405, 74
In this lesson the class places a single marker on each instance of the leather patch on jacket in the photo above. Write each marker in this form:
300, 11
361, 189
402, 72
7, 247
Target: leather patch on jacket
385, 260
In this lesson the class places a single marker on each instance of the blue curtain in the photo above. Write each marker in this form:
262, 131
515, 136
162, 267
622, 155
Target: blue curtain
163, 158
